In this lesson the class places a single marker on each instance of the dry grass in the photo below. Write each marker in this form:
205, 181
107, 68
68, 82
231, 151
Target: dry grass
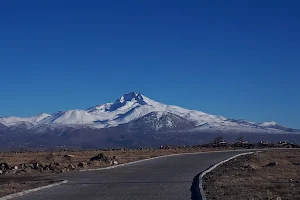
249, 177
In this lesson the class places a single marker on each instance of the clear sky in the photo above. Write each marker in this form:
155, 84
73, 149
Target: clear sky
239, 59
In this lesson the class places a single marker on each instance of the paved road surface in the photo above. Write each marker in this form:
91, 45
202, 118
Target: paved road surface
159, 179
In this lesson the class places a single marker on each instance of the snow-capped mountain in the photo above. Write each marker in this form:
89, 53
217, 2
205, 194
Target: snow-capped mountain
127, 108
135, 107
133, 120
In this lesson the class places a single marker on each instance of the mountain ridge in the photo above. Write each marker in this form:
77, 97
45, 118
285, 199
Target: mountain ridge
131, 107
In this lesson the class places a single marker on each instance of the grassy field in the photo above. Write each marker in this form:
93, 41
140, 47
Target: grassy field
273, 174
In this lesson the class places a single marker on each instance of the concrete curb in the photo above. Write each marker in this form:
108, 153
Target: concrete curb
138, 161
203, 197
11, 196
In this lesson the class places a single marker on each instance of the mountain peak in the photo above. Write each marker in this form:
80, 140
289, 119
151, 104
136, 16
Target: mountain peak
129, 99
130, 96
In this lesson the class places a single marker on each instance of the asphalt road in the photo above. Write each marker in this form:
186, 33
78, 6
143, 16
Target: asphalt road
159, 179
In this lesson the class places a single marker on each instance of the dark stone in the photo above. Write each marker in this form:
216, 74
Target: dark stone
297, 163
4, 166
271, 164
100, 157
40, 169
46, 168
82, 164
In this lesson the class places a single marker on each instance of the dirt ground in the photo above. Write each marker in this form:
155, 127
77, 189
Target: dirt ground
273, 174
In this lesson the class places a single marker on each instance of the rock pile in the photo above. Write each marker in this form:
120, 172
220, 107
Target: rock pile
35, 167
55, 167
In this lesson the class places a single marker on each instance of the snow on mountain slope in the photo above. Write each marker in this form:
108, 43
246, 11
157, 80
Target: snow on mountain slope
266, 124
70, 117
159, 121
11, 121
39, 117
197, 117
274, 125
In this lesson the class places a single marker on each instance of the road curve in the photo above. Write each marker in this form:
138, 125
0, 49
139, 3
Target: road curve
163, 178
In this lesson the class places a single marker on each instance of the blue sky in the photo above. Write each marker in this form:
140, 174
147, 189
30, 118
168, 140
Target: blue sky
238, 59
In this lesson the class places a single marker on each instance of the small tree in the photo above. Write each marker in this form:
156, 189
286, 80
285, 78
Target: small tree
218, 139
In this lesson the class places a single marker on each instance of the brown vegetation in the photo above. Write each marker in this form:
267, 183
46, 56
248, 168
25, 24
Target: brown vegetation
273, 174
